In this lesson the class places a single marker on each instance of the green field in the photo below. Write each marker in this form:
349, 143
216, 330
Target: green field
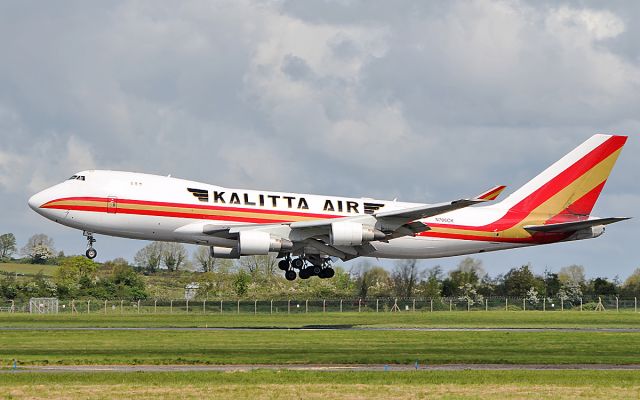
441, 319
35, 344
323, 385
28, 269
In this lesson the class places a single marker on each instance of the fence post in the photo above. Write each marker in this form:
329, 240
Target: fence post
138, 306
524, 304
324, 305
617, 310
220, 306
105, 307
635, 304
255, 306
468, 304
121, 306
272, 306
359, 303
187, 306
204, 306
486, 304
289, 306
238, 309
450, 304
544, 303
306, 306
377, 302
340, 305
13, 306
506, 304
414, 305
580, 303
155, 306
89, 305
431, 307
561, 304
171, 306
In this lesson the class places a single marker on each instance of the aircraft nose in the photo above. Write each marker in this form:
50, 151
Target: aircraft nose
36, 201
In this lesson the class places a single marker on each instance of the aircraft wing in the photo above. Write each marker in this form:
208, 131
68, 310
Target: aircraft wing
566, 227
387, 225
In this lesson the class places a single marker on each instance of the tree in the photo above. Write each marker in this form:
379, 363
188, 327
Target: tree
602, 287
7, 246
260, 266
431, 287
570, 291
39, 248
76, 272
572, 273
405, 277
631, 286
173, 255
241, 283
468, 271
203, 260
149, 257
518, 281
370, 279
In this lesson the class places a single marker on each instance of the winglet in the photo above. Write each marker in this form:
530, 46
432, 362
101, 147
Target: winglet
490, 194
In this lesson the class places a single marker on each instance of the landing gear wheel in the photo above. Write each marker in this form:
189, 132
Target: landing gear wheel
290, 275
297, 263
329, 272
91, 253
316, 270
284, 264
305, 273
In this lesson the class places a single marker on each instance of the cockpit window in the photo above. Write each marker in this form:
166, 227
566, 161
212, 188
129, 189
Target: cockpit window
77, 177
73, 177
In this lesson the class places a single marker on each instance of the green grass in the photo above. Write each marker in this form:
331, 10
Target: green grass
316, 347
28, 269
441, 319
323, 385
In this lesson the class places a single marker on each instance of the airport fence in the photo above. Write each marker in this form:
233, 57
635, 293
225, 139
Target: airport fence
297, 306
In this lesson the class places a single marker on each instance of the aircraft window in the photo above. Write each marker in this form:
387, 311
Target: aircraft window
73, 177
81, 177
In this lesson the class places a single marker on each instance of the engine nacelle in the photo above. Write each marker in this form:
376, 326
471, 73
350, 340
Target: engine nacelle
588, 233
353, 234
255, 243
224, 252
252, 243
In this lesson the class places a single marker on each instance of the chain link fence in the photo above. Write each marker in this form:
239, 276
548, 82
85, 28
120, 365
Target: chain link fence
296, 305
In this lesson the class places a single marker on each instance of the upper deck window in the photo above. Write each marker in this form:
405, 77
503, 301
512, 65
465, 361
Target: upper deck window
77, 177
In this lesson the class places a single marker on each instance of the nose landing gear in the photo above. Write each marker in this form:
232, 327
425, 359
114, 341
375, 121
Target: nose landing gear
91, 253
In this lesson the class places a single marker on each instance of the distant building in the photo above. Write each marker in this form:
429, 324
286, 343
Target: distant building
191, 290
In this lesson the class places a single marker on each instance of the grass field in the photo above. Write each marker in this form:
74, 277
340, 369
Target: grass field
316, 347
28, 269
441, 319
322, 385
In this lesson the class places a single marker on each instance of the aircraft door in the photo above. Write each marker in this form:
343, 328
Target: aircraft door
112, 205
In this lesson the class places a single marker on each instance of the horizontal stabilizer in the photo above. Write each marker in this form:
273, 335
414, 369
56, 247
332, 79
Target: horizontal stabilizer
566, 227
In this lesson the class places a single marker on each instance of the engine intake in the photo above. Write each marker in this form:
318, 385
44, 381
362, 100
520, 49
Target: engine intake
353, 234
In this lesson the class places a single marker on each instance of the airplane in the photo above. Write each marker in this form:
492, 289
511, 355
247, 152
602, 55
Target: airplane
308, 231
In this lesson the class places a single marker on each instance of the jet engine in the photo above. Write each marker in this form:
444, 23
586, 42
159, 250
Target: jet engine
353, 234
252, 243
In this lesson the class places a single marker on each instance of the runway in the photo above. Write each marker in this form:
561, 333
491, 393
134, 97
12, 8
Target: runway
323, 328
317, 367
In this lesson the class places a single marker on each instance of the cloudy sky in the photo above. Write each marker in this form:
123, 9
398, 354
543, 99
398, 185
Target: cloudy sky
423, 101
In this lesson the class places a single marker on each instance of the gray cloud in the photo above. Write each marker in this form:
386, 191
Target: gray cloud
421, 101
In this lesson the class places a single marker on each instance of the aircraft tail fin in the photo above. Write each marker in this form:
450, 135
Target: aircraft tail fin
568, 189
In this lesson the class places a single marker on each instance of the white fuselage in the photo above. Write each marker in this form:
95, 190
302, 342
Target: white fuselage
150, 207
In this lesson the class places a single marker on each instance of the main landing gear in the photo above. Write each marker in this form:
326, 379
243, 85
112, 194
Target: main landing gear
91, 253
307, 267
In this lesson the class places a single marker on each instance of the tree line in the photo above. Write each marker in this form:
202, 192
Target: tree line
159, 266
